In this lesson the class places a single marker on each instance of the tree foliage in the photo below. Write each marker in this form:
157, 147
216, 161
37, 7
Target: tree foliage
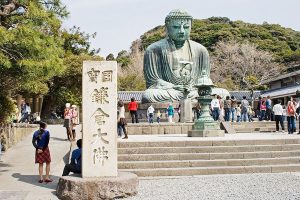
283, 43
30, 46
241, 66
130, 76
67, 87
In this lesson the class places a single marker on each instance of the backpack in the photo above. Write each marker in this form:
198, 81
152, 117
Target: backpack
290, 110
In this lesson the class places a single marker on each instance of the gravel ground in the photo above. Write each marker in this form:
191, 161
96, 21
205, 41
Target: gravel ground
238, 187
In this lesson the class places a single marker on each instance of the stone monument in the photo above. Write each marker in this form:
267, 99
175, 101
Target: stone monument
100, 177
174, 63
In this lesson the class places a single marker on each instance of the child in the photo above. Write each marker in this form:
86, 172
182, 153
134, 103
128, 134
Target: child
238, 113
158, 115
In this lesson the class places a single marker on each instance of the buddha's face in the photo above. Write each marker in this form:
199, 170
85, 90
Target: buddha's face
179, 29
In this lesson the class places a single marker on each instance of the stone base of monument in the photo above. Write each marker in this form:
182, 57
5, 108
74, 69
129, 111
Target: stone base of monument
206, 129
77, 188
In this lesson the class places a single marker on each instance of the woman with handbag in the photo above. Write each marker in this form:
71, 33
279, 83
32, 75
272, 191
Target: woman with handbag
291, 111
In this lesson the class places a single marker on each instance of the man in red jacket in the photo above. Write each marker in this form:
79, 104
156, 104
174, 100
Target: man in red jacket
132, 107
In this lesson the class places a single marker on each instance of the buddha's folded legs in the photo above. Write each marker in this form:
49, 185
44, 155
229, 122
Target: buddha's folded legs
159, 95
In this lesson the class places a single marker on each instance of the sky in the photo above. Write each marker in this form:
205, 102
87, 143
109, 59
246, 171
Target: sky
119, 22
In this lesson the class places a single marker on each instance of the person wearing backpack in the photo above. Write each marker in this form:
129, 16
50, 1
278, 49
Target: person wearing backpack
244, 109
291, 111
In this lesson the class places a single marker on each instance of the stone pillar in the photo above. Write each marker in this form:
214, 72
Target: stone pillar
99, 108
186, 110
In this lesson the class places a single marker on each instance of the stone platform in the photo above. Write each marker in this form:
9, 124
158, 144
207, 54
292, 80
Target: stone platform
145, 128
77, 188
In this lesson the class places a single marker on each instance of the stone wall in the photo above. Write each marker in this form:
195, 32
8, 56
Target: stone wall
11, 134
161, 128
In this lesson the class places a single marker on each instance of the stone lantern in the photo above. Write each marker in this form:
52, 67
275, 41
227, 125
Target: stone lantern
205, 126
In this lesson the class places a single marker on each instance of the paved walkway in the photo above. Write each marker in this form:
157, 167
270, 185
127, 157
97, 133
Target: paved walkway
19, 174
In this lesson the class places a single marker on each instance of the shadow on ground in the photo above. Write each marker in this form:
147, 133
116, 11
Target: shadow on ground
66, 158
2, 164
33, 179
58, 139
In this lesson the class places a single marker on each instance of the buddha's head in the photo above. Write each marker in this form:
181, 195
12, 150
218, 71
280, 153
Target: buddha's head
178, 24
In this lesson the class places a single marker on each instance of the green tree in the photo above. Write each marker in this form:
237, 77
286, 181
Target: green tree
31, 50
110, 57
67, 87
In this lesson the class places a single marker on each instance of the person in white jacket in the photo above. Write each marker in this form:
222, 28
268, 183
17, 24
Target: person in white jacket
278, 112
150, 114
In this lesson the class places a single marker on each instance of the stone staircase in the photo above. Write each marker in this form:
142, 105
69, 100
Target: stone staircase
258, 126
186, 158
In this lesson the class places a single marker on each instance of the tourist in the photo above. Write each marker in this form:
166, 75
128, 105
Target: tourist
263, 109
233, 107
238, 113
158, 116
221, 113
150, 114
215, 108
26, 113
291, 110
278, 112
132, 107
227, 108
40, 141
121, 120
244, 109
268, 109
74, 121
179, 112
170, 111
67, 121
258, 108
250, 114
283, 113
75, 165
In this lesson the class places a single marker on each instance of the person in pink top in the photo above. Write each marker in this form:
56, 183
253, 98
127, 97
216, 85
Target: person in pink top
263, 109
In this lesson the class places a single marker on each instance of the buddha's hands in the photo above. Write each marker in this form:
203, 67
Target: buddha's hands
161, 84
179, 87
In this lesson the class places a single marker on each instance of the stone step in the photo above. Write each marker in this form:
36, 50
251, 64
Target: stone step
207, 143
206, 163
190, 171
208, 149
207, 156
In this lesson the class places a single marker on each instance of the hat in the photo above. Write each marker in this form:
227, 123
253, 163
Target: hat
73, 106
68, 105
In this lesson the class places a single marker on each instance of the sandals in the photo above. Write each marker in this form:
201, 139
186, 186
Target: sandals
48, 180
41, 181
